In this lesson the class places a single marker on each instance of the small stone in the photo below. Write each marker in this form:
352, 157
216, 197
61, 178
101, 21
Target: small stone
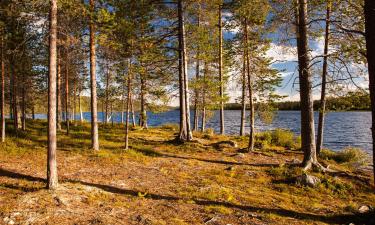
213, 221
230, 168
363, 209
308, 180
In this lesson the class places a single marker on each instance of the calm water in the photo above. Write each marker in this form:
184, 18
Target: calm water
342, 129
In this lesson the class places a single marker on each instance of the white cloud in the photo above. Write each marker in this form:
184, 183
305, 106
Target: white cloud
282, 53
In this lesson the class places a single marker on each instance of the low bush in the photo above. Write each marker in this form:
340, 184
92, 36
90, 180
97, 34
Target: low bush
351, 156
278, 137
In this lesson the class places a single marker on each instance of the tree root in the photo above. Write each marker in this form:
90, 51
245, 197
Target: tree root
317, 166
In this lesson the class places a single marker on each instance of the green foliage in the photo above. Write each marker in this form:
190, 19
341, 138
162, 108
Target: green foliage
354, 157
278, 137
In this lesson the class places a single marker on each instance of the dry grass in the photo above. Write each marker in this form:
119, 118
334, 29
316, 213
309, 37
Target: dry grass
159, 181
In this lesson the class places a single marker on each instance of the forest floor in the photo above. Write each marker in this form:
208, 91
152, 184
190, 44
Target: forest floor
159, 181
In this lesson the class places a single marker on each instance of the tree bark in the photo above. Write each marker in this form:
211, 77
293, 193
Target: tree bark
307, 111
94, 109
250, 87
143, 114
322, 109
2, 104
132, 109
58, 94
204, 98
183, 131
14, 95
106, 94
128, 107
23, 105
243, 100
51, 161
369, 9
197, 70
221, 80
80, 107
67, 102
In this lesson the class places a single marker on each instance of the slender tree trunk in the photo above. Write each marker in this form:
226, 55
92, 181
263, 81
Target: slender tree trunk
128, 106
23, 107
143, 114
369, 9
67, 115
132, 109
94, 110
15, 103
2, 104
196, 93
80, 107
204, 98
250, 87
222, 128
74, 101
183, 135
307, 111
319, 143
33, 112
51, 162
58, 95
123, 107
243, 100
186, 78
106, 94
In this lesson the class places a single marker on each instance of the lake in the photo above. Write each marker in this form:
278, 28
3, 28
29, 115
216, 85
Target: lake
342, 129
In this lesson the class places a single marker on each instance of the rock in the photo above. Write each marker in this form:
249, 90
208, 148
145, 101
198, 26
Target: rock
240, 155
230, 168
364, 209
294, 161
213, 221
223, 144
308, 180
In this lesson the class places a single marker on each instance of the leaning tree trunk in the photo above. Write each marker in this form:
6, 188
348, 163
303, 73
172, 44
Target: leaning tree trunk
370, 45
250, 87
221, 80
243, 100
2, 104
94, 109
51, 161
307, 111
319, 142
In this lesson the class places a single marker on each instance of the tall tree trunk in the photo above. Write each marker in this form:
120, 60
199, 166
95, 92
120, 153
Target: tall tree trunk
143, 114
221, 80
307, 111
132, 109
197, 70
74, 101
189, 134
250, 87
204, 98
322, 109
369, 9
243, 100
106, 94
58, 95
128, 106
67, 115
94, 109
23, 106
80, 107
51, 161
2, 104
14, 103
183, 131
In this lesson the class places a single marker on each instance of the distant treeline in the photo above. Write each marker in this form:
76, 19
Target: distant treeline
351, 101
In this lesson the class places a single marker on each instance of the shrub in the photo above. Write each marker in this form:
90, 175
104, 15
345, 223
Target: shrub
170, 126
351, 156
284, 138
